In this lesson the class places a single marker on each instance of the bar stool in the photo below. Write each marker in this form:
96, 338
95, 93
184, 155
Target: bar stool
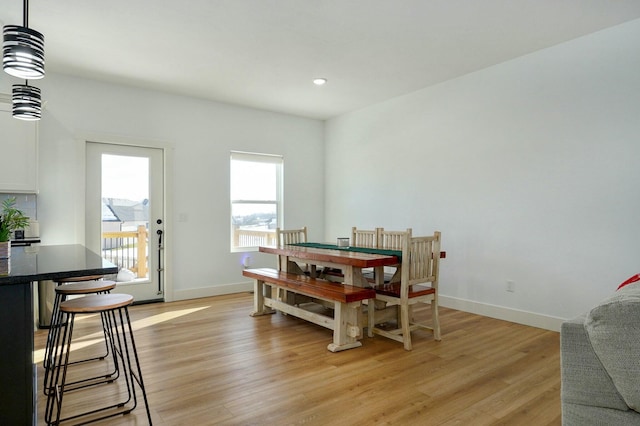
79, 286
116, 313
76, 279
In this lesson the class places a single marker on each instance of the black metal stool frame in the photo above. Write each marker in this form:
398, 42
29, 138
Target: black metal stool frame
121, 347
57, 320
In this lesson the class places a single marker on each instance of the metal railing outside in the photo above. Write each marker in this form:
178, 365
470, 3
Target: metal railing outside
127, 249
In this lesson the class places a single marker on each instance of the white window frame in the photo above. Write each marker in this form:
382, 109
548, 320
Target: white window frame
277, 160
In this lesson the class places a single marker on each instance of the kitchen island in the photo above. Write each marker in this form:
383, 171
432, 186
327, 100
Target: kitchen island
18, 385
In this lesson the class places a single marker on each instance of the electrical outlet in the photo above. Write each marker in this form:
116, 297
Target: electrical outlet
511, 286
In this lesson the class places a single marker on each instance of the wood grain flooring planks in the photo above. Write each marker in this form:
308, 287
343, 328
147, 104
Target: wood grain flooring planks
207, 362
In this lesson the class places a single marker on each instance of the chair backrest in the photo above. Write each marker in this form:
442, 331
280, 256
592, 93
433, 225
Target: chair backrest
364, 237
393, 240
421, 261
291, 236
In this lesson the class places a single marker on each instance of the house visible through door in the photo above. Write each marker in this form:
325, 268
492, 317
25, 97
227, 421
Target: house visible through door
124, 214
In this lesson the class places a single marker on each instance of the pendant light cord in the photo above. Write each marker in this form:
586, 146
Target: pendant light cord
25, 13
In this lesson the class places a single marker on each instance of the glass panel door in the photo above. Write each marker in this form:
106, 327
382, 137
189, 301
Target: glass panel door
124, 214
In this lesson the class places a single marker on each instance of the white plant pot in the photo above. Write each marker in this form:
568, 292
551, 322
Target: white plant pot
5, 249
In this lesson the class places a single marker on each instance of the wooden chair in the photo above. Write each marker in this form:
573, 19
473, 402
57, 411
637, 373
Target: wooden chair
364, 237
418, 284
392, 240
291, 236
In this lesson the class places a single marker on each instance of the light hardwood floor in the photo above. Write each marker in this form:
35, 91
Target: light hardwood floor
207, 362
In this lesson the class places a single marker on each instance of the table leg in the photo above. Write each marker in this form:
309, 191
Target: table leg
346, 327
288, 296
396, 275
379, 275
353, 276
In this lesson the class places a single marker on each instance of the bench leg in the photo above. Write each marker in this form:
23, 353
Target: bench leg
346, 327
259, 289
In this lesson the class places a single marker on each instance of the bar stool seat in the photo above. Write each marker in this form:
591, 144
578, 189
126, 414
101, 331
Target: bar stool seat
76, 287
96, 303
85, 287
82, 278
114, 308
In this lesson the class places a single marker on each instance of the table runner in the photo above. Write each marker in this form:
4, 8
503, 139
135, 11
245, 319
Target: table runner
370, 250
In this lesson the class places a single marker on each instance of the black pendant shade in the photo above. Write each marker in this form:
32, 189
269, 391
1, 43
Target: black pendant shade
23, 57
27, 102
23, 52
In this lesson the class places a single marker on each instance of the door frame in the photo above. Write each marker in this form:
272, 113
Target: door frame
168, 151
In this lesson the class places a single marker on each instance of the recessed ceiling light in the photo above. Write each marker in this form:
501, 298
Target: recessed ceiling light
319, 81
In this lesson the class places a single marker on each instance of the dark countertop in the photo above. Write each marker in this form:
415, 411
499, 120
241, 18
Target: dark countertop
37, 263
18, 386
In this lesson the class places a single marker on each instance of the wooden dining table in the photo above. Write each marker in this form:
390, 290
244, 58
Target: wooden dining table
350, 260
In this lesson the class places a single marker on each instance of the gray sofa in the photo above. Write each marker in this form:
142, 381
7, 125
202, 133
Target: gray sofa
600, 362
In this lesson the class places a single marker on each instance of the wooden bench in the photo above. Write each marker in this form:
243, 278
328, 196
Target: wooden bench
345, 299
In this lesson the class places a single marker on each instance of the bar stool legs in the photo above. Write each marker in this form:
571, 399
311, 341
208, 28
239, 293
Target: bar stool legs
120, 396
64, 291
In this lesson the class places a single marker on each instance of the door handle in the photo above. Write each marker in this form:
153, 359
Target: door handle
160, 248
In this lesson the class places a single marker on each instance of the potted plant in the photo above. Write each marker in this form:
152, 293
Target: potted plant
10, 219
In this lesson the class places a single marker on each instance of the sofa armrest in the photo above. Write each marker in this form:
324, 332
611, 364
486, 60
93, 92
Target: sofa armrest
584, 379
613, 327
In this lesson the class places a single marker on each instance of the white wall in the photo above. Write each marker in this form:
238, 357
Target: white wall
200, 135
529, 168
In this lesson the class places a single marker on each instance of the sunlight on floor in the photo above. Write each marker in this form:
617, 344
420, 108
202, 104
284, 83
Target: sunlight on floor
97, 337
165, 316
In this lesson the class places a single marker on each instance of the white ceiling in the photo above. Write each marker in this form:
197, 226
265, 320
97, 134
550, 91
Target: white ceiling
265, 53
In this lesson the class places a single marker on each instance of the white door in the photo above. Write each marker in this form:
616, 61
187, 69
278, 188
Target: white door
125, 214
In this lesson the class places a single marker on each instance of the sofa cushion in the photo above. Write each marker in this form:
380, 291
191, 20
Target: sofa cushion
613, 328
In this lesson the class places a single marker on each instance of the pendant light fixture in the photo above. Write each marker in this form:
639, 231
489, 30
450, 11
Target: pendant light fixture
27, 102
23, 49
23, 57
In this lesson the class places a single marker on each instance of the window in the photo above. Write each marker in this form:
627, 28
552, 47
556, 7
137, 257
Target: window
256, 199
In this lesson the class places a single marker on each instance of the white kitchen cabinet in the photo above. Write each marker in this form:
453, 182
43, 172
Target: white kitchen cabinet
18, 151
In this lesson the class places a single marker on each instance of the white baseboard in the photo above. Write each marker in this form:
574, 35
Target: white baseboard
219, 290
493, 311
500, 312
